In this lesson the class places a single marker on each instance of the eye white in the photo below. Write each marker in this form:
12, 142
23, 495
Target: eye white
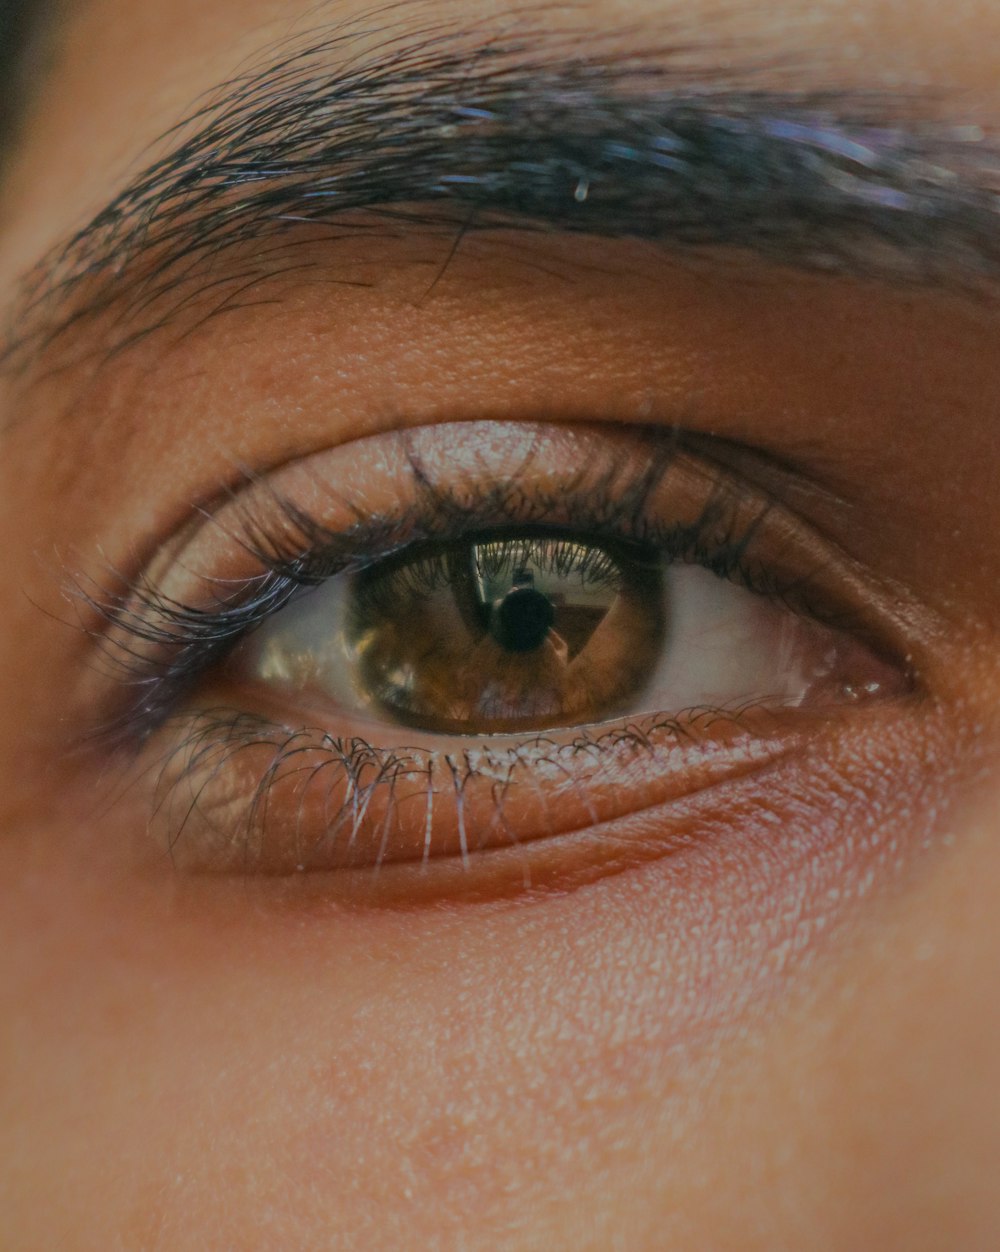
724, 646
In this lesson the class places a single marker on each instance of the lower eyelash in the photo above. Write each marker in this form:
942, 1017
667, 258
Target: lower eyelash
363, 782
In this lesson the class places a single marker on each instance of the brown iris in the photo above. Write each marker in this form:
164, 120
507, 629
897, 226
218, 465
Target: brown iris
507, 634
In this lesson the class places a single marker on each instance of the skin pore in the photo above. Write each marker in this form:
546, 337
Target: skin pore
760, 1018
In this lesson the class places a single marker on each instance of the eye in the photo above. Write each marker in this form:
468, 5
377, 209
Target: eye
529, 632
462, 642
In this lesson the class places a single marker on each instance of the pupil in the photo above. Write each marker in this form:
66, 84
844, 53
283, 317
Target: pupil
521, 621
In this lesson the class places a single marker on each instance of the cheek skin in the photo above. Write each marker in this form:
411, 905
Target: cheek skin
272, 1068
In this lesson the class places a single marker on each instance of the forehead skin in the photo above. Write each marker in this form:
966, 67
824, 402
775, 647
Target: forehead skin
198, 1089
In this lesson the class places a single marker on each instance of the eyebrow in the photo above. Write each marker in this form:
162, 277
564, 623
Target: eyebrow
433, 129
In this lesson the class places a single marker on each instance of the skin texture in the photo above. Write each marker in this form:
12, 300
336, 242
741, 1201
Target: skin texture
784, 1044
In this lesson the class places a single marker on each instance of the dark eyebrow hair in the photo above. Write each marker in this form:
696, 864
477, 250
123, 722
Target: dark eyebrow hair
537, 131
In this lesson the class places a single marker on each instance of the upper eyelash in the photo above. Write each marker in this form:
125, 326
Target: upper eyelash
158, 646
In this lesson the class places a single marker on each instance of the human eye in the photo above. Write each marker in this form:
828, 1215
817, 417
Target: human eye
458, 644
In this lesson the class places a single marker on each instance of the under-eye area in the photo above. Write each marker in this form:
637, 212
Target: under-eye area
461, 641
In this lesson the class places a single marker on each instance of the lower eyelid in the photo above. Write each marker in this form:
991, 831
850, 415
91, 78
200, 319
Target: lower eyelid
704, 791
240, 793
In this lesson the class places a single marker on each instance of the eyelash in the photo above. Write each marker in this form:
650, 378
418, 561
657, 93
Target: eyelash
159, 647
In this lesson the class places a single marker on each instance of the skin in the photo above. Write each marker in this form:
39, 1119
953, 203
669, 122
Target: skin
662, 1058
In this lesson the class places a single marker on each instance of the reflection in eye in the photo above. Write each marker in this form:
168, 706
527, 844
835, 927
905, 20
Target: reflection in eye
503, 632
522, 634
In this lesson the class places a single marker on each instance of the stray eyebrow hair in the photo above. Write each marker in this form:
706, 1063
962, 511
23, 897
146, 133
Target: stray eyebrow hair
538, 132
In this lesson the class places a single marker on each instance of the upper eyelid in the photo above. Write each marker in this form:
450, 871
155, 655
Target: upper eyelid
149, 623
